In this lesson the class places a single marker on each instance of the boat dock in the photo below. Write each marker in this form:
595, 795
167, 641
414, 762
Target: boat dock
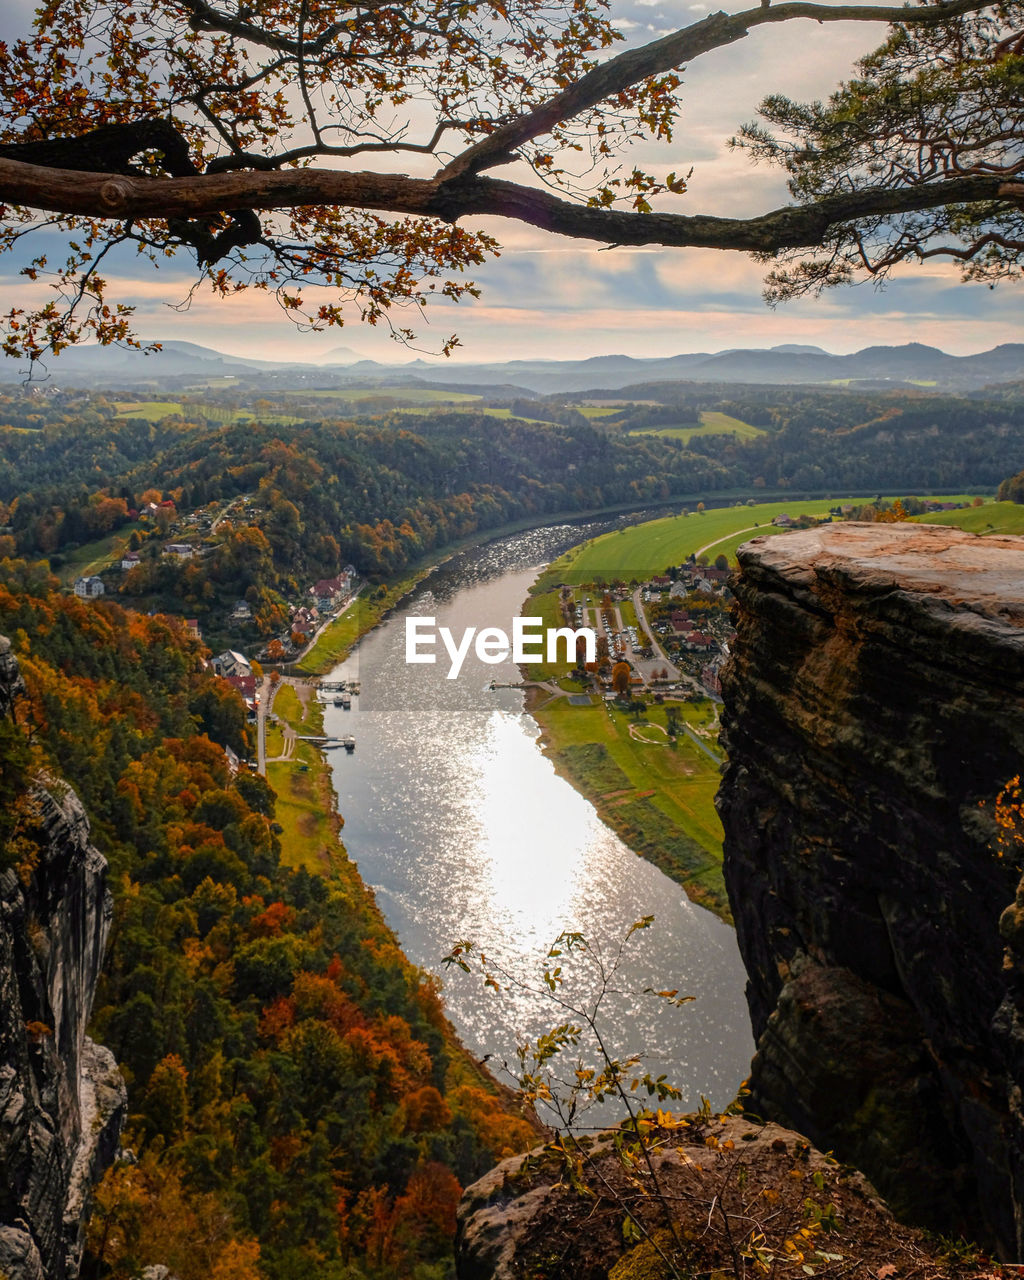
328, 744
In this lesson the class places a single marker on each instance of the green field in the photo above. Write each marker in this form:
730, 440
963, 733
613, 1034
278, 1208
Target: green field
93, 557
712, 423
657, 795
150, 410
305, 796
598, 410
993, 517
406, 395
305, 809
648, 548
224, 415
507, 413
155, 410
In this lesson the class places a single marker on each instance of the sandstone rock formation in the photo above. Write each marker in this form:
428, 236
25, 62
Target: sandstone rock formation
874, 707
62, 1099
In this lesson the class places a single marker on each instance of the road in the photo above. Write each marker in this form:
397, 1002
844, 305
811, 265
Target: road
708, 545
646, 666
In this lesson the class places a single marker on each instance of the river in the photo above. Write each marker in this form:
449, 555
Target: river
463, 830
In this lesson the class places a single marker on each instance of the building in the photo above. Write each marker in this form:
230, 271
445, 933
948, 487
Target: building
681, 622
330, 592
711, 676
241, 612
231, 664
88, 588
130, 559
183, 550
246, 686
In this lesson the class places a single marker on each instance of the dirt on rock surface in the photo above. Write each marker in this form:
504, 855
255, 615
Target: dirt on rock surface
722, 1197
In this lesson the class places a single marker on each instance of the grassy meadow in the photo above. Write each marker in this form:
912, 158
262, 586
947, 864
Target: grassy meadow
658, 795
993, 517
712, 423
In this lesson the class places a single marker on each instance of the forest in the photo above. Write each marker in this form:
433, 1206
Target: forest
385, 490
298, 1104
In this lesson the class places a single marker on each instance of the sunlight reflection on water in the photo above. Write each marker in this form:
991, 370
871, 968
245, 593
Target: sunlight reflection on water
465, 831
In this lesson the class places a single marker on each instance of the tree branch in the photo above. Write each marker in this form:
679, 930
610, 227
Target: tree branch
671, 52
116, 196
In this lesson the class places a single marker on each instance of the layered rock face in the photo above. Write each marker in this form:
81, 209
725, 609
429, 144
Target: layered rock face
874, 707
62, 1099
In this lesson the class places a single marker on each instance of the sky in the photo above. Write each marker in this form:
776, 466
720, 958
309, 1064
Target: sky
550, 297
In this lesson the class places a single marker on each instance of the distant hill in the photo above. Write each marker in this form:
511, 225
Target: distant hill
912, 364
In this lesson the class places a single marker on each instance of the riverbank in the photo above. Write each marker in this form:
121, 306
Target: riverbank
655, 793
306, 811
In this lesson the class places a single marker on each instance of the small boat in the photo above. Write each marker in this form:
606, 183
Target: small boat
349, 744
346, 702
339, 701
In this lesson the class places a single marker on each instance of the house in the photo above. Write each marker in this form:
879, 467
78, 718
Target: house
711, 676
130, 559
783, 521
87, 588
660, 582
183, 550
330, 592
246, 686
231, 664
700, 640
677, 590
681, 622
241, 612
192, 627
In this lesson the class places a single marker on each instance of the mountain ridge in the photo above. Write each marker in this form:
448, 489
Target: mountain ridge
907, 365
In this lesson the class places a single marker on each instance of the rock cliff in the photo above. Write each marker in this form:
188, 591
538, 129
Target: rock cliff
62, 1099
874, 707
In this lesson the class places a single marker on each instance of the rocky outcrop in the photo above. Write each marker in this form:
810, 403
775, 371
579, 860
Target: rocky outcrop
741, 1197
874, 707
62, 1100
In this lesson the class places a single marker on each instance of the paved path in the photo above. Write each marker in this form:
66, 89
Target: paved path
708, 545
264, 698
703, 745
659, 660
